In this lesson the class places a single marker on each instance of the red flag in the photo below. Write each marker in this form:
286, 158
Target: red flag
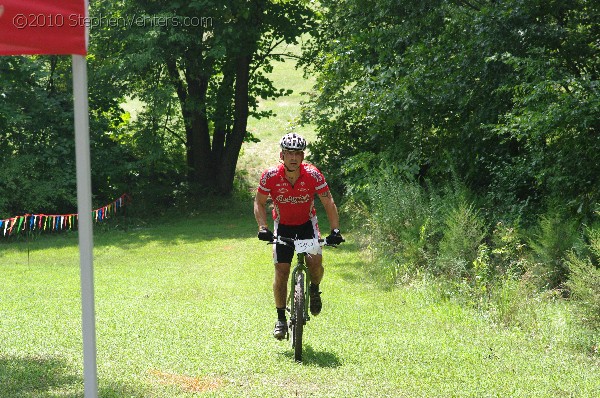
42, 27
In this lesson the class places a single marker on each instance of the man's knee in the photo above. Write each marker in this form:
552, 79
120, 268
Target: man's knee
282, 271
314, 261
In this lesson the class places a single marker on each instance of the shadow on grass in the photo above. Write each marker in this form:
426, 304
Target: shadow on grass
362, 270
34, 376
322, 359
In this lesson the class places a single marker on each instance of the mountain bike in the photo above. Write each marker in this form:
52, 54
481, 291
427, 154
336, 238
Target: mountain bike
299, 296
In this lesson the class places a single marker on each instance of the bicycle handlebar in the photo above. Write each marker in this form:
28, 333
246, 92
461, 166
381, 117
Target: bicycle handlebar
290, 241
300, 244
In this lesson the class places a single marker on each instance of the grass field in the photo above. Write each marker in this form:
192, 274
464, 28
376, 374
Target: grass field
184, 309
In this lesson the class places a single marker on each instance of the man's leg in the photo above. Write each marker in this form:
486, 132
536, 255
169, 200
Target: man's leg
314, 262
315, 268
282, 273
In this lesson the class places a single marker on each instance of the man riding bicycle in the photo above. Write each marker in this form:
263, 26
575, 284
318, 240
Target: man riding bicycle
292, 186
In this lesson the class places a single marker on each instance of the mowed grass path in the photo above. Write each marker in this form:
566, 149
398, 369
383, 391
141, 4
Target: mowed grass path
184, 308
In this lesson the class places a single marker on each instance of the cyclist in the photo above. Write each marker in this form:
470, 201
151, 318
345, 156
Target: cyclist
292, 185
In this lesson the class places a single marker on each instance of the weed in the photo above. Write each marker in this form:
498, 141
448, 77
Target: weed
552, 239
584, 280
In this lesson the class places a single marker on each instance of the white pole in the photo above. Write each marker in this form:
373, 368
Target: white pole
86, 238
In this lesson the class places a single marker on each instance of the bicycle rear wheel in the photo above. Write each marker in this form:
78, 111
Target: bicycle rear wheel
299, 316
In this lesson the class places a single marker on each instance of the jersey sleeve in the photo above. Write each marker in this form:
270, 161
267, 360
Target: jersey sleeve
264, 185
319, 180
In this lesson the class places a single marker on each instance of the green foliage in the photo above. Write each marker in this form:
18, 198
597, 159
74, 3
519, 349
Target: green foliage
36, 144
413, 230
584, 280
463, 232
37, 138
200, 80
196, 69
552, 239
504, 92
509, 253
498, 283
400, 225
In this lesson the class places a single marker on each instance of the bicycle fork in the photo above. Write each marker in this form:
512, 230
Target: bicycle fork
298, 269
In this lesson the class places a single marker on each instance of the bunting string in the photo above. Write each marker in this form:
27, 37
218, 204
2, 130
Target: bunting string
58, 222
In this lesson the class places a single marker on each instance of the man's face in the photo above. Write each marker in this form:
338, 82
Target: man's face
292, 159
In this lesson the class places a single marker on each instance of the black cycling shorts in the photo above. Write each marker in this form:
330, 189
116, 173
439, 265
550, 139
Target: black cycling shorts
308, 230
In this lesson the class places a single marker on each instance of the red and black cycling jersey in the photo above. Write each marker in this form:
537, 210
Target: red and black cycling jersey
293, 204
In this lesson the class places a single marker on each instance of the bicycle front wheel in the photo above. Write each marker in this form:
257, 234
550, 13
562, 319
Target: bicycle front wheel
299, 315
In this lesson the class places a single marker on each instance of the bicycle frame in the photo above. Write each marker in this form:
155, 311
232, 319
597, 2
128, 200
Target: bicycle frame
300, 267
300, 272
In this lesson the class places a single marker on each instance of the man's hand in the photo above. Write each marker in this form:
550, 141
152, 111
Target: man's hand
335, 238
265, 234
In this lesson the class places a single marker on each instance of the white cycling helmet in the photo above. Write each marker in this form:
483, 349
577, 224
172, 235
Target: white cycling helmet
292, 142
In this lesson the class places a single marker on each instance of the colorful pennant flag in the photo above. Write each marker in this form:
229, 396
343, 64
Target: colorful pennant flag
57, 222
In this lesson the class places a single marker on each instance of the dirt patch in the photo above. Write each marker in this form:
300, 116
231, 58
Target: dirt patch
188, 383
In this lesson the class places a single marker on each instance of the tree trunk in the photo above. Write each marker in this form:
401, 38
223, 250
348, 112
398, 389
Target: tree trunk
200, 168
223, 114
235, 138
192, 86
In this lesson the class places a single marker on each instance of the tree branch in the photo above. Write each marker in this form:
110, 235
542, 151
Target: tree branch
264, 56
176, 79
468, 4
174, 134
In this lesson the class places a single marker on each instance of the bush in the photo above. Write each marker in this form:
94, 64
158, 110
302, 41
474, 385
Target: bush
584, 280
464, 231
554, 237
509, 251
401, 223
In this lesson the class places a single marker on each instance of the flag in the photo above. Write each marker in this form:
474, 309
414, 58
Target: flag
43, 27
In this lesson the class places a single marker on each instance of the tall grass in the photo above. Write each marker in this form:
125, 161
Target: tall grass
415, 232
584, 280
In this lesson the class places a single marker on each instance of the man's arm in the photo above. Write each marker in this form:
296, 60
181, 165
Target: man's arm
260, 209
330, 209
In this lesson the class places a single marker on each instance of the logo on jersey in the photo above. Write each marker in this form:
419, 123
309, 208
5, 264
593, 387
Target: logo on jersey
293, 199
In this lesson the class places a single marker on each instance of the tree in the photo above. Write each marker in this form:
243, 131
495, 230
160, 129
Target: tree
199, 67
37, 138
503, 94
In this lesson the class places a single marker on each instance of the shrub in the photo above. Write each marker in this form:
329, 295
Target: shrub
553, 238
584, 280
401, 223
509, 251
464, 231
